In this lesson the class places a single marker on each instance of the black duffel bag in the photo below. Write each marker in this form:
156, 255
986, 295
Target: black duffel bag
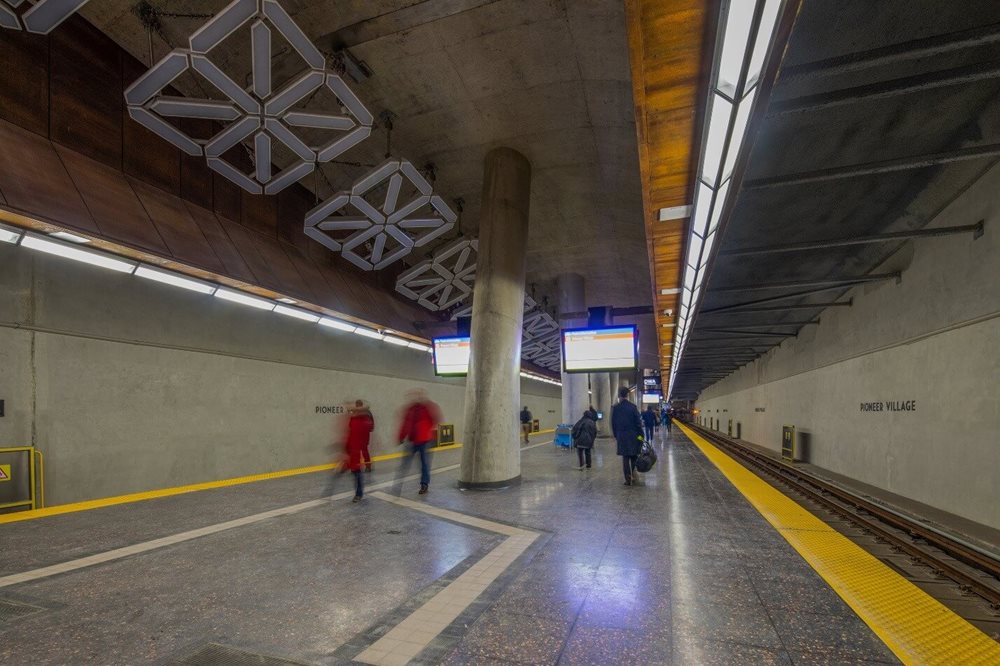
646, 459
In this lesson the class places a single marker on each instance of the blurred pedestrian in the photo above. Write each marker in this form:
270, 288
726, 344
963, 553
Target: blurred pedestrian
420, 420
525, 422
584, 433
649, 422
362, 410
626, 426
359, 429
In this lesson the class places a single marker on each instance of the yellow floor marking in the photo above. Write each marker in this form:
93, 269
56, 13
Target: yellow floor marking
180, 490
916, 627
195, 487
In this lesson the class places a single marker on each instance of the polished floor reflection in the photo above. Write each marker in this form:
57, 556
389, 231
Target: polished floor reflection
679, 569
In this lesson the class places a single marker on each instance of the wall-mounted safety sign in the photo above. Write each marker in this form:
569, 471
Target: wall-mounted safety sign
4, 473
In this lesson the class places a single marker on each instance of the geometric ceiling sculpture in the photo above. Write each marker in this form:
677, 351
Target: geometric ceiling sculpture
444, 280
41, 18
370, 226
541, 340
259, 116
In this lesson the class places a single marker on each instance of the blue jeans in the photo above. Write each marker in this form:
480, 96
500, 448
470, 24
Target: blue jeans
425, 461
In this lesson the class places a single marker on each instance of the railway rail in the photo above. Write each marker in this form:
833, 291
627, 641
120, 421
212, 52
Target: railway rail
974, 571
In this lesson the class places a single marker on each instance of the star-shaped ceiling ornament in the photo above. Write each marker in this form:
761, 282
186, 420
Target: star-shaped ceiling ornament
259, 116
367, 224
445, 279
41, 17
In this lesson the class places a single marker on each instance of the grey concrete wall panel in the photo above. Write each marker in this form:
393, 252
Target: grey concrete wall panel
129, 385
932, 339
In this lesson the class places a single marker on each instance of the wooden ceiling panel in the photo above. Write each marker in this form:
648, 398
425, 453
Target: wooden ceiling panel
666, 47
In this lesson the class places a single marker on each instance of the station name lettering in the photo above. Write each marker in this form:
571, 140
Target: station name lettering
890, 406
329, 409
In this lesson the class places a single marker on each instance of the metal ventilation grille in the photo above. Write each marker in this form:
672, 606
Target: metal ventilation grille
11, 610
221, 655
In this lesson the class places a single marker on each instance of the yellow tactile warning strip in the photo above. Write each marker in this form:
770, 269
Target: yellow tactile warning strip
917, 628
195, 487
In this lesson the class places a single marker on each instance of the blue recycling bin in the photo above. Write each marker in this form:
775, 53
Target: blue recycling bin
564, 435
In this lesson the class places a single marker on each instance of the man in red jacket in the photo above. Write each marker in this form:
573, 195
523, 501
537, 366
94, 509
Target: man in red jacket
420, 420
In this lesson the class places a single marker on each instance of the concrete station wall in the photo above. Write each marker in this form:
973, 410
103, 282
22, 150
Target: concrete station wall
128, 385
933, 339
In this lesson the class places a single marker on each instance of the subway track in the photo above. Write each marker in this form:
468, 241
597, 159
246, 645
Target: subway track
961, 577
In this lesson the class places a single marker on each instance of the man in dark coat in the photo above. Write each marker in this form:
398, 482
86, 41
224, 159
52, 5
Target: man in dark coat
649, 421
626, 425
584, 433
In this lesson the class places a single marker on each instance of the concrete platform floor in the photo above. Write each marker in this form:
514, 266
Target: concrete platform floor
571, 567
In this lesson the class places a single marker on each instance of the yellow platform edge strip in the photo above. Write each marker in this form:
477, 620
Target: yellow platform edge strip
915, 626
192, 488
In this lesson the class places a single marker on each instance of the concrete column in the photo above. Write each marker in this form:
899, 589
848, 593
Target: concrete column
491, 455
615, 379
601, 385
574, 385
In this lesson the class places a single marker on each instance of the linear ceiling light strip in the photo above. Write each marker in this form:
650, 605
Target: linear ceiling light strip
74, 251
747, 29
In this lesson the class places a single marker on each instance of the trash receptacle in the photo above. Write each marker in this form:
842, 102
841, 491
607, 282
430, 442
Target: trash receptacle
564, 435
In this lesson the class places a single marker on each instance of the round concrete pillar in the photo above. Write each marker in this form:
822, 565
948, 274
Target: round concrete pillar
614, 377
574, 384
491, 456
600, 383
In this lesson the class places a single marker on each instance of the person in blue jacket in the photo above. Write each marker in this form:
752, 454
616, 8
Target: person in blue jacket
626, 425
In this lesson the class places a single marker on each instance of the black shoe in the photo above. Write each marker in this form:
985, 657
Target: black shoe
423, 490
628, 482
357, 498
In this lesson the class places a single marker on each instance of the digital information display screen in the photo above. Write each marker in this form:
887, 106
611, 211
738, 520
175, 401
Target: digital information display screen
650, 398
599, 349
451, 356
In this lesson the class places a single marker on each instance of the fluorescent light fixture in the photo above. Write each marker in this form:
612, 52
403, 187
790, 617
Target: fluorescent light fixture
66, 236
668, 325
675, 213
337, 324
287, 301
421, 347
734, 42
396, 341
720, 203
296, 313
244, 299
68, 251
173, 279
369, 333
718, 125
739, 129
9, 234
670, 292
764, 34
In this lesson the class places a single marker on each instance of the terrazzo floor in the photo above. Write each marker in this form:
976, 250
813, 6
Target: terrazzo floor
677, 570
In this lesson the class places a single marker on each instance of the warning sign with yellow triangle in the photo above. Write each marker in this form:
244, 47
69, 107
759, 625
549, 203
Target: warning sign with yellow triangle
4, 473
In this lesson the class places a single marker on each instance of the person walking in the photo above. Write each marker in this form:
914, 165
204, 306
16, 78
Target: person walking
525, 423
363, 412
649, 422
584, 432
666, 420
626, 426
420, 420
359, 429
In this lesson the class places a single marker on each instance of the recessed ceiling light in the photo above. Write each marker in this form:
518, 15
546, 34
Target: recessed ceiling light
287, 301
66, 236
669, 292
244, 299
70, 252
166, 277
675, 213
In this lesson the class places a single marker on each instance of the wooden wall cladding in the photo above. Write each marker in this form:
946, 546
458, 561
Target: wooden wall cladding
71, 156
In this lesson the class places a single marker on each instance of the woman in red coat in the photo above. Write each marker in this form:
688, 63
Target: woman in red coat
359, 430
